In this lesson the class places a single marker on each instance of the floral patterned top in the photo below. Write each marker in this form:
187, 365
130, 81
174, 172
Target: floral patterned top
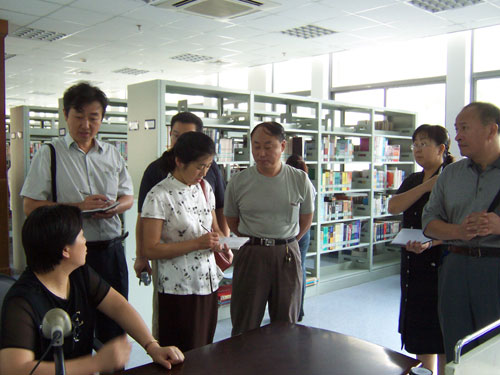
184, 211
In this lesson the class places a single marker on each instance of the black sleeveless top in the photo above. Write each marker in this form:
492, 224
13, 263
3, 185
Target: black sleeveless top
28, 301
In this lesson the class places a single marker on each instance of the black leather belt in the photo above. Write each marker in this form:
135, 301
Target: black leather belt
269, 241
106, 243
477, 252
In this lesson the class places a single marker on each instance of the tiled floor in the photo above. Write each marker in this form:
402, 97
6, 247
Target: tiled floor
369, 311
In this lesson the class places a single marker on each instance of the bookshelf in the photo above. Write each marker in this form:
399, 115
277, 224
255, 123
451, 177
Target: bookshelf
30, 128
357, 156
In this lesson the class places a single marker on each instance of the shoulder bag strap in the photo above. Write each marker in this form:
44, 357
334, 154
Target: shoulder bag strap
53, 171
202, 184
495, 202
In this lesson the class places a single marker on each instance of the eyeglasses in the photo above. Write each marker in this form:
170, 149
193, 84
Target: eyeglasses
419, 145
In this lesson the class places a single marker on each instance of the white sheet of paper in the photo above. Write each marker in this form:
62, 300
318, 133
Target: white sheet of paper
233, 242
407, 234
86, 212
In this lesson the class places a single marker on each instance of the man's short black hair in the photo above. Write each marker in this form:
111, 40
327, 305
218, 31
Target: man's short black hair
81, 94
272, 127
488, 113
188, 118
46, 231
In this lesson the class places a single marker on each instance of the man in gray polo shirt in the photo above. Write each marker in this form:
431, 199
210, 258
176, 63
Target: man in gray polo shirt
459, 213
90, 174
273, 204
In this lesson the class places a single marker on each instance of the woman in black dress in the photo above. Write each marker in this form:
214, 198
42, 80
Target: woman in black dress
418, 319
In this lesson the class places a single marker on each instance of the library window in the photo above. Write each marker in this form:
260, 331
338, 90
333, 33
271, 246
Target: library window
299, 69
372, 98
487, 90
419, 58
486, 55
234, 79
428, 101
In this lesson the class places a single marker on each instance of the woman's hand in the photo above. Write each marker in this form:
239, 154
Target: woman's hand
226, 251
208, 241
166, 355
417, 247
114, 354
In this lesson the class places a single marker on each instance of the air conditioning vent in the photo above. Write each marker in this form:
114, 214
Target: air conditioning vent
435, 6
37, 34
131, 71
220, 9
191, 57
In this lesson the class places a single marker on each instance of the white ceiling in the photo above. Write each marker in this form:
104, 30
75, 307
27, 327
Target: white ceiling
104, 36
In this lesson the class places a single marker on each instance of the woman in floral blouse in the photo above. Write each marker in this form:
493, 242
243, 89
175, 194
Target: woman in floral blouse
180, 230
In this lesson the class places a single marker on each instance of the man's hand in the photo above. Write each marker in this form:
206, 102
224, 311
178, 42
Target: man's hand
92, 202
114, 354
417, 247
165, 355
482, 223
142, 264
107, 214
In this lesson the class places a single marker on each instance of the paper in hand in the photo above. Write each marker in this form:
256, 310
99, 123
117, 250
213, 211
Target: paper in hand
407, 234
98, 210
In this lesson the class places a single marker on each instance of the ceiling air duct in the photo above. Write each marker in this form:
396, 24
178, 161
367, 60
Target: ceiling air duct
220, 9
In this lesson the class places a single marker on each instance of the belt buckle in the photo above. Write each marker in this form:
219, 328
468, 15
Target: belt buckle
268, 241
475, 252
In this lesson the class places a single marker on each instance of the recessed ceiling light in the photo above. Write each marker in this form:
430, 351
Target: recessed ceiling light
41, 93
435, 6
308, 32
37, 34
131, 71
190, 57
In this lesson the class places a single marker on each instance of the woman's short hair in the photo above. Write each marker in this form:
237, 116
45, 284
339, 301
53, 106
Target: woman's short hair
46, 232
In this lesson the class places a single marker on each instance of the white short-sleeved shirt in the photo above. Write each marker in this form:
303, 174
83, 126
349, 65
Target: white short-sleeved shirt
185, 212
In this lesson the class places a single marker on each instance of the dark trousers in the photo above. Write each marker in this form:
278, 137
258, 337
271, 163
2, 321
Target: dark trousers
187, 321
469, 298
265, 274
303, 246
109, 262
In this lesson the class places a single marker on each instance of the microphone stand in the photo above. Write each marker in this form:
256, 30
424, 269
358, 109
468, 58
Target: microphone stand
58, 353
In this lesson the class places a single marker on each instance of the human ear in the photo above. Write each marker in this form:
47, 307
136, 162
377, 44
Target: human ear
65, 252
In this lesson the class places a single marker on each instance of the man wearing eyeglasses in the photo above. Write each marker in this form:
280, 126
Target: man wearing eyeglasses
462, 212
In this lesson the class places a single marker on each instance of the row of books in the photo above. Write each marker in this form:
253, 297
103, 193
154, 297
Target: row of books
303, 146
380, 204
224, 146
385, 152
385, 230
335, 180
35, 146
336, 207
122, 147
336, 148
340, 235
390, 179
379, 125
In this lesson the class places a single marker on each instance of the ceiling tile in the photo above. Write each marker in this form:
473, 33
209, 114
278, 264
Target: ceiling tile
50, 24
16, 19
31, 7
79, 16
114, 7
347, 23
310, 13
471, 13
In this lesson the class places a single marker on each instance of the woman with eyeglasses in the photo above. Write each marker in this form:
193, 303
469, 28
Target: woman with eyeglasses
180, 230
418, 320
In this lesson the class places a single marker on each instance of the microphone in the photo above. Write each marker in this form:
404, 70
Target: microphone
56, 325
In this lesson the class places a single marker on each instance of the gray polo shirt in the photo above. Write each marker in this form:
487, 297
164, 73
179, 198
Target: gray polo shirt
461, 189
101, 171
269, 207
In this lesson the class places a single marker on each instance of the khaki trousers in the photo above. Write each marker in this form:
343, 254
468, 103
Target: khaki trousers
265, 274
